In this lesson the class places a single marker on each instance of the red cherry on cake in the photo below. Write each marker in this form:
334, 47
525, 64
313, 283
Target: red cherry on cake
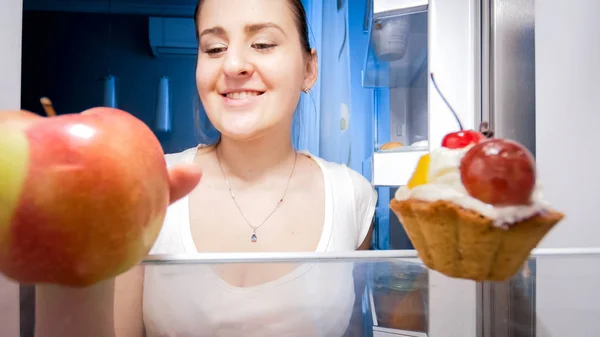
462, 139
499, 172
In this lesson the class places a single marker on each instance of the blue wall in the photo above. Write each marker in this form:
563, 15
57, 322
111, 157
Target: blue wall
344, 45
361, 98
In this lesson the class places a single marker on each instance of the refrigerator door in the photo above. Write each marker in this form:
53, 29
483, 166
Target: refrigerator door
410, 117
396, 68
508, 69
508, 104
446, 41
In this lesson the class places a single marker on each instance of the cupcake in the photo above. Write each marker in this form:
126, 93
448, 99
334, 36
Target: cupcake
473, 208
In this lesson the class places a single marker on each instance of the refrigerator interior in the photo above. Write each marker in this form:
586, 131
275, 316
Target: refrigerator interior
396, 68
397, 78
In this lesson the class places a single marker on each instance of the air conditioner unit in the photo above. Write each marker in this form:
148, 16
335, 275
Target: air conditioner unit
172, 36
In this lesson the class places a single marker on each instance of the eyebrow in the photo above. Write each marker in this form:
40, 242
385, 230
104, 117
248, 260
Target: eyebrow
214, 31
250, 29
261, 26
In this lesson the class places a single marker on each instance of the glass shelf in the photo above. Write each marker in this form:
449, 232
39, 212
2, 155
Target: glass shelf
554, 294
404, 149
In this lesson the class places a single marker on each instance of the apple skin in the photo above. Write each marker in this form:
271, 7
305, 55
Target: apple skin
499, 172
83, 196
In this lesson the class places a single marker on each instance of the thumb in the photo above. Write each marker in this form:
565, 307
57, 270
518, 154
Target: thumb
182, 180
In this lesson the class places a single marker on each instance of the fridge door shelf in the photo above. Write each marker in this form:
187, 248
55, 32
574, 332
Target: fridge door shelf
394, 168
387, 8
397, 48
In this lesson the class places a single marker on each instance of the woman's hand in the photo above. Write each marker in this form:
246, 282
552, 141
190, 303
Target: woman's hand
182, 180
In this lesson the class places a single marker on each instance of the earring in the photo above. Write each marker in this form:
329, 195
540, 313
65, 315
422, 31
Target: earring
306, 90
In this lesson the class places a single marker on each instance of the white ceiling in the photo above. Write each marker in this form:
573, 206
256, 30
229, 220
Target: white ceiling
146, 7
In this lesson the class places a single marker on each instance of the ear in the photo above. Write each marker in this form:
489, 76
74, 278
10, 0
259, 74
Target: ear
312, 70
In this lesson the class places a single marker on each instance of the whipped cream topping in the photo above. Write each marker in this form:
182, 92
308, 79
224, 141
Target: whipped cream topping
444, 183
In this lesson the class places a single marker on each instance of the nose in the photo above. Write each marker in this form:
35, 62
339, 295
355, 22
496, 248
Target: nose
236, 63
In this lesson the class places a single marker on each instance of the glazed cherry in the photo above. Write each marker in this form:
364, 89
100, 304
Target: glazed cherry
461, 139
499, 172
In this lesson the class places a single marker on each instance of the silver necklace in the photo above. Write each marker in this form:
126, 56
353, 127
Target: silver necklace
254, 237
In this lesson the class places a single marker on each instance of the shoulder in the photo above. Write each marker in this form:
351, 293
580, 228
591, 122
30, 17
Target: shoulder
354, 192
345, 175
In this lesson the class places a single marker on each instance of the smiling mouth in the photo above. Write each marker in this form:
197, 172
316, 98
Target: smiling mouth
240, 95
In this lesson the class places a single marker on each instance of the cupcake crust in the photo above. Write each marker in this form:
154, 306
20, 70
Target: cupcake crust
462, 243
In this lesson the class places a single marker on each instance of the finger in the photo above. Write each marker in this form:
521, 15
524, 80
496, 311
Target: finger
183, 179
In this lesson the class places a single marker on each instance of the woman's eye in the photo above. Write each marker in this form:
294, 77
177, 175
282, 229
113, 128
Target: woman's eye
215, 50
263, 46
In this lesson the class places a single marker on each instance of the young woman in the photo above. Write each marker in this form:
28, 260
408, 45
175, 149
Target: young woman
257, 194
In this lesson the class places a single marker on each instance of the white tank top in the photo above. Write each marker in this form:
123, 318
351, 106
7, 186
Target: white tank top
315, 299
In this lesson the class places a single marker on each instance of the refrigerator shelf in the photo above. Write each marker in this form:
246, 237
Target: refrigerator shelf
394, 168
397, 48
404, 149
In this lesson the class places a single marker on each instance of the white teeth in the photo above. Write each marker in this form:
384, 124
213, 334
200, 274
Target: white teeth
242, 94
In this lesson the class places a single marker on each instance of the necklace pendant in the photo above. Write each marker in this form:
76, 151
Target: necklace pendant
253, 237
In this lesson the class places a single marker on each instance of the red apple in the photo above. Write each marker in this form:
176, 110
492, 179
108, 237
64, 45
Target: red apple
82, 196
499, 172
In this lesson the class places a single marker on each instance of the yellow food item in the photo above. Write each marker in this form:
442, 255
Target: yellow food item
391, 145
419, 177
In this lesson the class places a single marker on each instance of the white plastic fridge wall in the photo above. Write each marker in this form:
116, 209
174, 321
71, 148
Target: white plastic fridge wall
10, 98
567, 106
453, 33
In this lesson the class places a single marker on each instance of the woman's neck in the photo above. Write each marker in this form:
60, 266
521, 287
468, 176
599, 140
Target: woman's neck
252, 160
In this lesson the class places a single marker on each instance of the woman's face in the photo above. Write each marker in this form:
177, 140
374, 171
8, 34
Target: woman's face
251, 66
